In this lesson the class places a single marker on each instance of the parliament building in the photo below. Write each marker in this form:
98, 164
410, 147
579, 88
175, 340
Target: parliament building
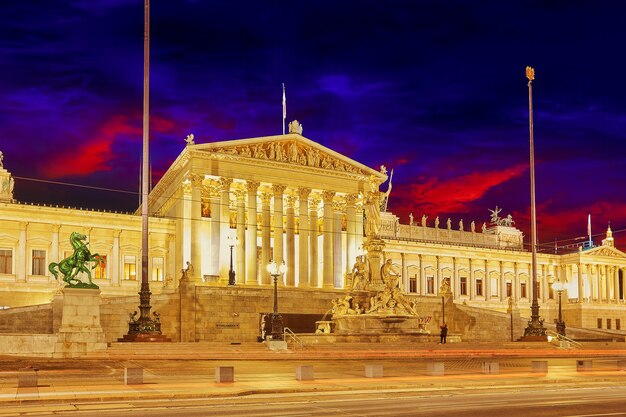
289, 199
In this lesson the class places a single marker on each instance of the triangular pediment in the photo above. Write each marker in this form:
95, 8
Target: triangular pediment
291, 149
609, 251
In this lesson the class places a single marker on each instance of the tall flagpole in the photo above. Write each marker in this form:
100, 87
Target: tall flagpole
284, 108
535, 330
145, 329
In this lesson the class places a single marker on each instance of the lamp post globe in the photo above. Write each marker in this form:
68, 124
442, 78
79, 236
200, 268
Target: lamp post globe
275, 271
560, 324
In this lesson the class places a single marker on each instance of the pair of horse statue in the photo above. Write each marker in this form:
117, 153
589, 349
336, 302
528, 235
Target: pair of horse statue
76, 263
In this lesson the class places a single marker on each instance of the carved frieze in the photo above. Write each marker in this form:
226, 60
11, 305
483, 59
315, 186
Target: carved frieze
291, 152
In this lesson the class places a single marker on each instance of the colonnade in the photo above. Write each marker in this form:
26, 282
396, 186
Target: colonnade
286, 227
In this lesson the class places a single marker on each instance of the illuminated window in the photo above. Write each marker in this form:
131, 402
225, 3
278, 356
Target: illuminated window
130, 268
39, 262
479, 287
608, 324
413, 283
463, 286
6, 261
509, 289
522, 292
599, 323
618, 324
157, 269
101, 269
430, 284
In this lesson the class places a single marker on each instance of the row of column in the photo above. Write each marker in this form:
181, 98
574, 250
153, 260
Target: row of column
283, 226
598, 284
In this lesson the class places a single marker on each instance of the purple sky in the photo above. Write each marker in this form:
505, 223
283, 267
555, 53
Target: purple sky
436, 90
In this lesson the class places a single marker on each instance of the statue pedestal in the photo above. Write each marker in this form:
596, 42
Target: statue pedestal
374, 248
80, 330
6, 186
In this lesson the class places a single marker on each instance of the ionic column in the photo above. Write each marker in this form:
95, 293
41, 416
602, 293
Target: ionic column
265, 237
472, 282
113, 266
337, 253
515, 283
404, 278
350, 231
487, 282
598, 283
216, 215
502, 282
590, 281
358, 228
278, 254
543, 284
240, 195
607, 281
328, 239
438, 274
291, 241
314, 278
22, 259
455, 277
579, 272
303, 237
251, 235
224, 188
615, 284
196, 216
54, 246
422, 290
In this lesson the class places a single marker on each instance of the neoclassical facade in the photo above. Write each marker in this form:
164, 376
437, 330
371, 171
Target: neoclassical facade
287, 198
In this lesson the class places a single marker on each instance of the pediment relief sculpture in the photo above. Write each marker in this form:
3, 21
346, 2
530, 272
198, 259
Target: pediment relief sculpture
613, 253
290, 152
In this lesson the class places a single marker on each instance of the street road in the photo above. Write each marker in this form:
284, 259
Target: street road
550, 401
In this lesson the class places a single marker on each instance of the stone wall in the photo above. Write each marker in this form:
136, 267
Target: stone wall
36, 319
34, 345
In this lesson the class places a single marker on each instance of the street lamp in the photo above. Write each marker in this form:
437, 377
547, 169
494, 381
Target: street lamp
275, 271
231, 271
535, 330
560, 324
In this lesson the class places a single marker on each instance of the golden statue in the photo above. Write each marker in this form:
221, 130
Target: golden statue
530, 73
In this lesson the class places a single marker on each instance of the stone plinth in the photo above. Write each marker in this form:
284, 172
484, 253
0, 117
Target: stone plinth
304, 373
491, 368
539, 367
80, 330
27, 378
435, 368
6, 186
133, 375
374, 247
373, 371
225, 374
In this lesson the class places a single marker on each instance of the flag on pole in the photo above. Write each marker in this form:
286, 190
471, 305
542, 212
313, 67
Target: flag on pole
284, 108
589, 226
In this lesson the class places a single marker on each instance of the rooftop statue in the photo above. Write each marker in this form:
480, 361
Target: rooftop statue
295, 127
78, 262
385, 195
1, 159
189, 139
424, 217
495, 218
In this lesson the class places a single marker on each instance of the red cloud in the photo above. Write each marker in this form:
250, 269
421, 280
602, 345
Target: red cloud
95, 153
453, 195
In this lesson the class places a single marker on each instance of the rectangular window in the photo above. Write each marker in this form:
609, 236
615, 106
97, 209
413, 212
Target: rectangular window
413, 284
608, 324
479, 287
522, 290
130, 268
39, 262
157, 269
463, 286
430, 285
101, 269
509, 289
6, 261
618, 324
599, 323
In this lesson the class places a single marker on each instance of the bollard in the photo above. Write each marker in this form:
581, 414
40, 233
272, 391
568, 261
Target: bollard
584, 365
491, 368
435, 368
133, 375
27, 378
373, 371
225, 374
539, 367
304, 373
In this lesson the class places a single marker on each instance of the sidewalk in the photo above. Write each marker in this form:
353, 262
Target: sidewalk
65, 382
